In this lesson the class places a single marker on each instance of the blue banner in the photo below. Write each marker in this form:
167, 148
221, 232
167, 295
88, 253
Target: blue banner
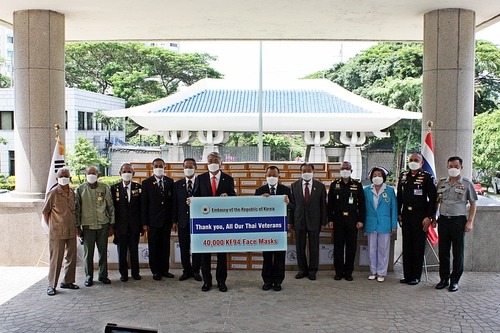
238, 224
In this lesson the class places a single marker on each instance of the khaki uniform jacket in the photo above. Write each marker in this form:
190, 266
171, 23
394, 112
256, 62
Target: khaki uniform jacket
61, 209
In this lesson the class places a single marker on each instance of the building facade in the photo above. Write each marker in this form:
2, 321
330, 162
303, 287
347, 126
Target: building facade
79, 121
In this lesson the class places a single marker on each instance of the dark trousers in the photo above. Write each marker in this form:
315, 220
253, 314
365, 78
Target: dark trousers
414, 239
220, 271
273, 268
313, 239
159, 249
345, 238
128, 243
451, 234
185, 245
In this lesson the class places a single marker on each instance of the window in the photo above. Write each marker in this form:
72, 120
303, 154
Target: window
12, 163
10, 39
90, 121
81, 120
65, 119
6, 120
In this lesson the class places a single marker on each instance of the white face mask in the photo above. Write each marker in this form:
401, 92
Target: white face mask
272, 180
414, 166
91, 179
213, 167
188, 172
63, 181
126, 176
377, 180
307, 176
158, 172
345, 173
453, 172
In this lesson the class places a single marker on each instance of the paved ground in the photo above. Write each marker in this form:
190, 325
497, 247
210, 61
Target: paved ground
323, 305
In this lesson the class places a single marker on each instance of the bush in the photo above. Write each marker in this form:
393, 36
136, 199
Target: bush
7, 183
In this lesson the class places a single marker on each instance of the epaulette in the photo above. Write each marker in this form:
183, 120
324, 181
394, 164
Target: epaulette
467, 180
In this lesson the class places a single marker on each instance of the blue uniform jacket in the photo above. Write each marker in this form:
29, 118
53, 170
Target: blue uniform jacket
385, 217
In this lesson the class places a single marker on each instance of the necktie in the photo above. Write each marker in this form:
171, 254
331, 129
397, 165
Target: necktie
161, 184
126, 193
190, 188
273, 192
306, 192
214, 186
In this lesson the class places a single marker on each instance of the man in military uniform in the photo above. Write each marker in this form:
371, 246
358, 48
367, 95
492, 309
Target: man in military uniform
346, 215
454, 192
416, 206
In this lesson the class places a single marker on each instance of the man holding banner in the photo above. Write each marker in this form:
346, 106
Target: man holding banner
273, 268
416, 207
214, 183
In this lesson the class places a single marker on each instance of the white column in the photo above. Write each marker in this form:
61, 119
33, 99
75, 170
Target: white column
448, 84
317, 141
39, 96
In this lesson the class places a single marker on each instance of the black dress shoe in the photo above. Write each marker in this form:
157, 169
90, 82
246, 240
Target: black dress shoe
89, 282
105, 280
267, 286
206, 287
222, 287
442, 284
184, 276
414, 282
338, 277
277, 287
51, 291
403, 280
69, 286
157, 277
197, 276
136, 277
348, 278
300, 275
168, 275
312, 276
123, 278
453, 287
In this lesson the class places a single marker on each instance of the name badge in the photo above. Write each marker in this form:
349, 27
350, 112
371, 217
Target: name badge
351, 200
417, 191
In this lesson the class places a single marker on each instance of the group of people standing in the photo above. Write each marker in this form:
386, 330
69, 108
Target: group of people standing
95, 211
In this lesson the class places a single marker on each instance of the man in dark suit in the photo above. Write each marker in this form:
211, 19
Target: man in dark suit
183, 189
273, 268
128, 228
156, 210
309, 218
208, 184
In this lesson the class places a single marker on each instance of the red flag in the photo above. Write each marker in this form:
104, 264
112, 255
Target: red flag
432, 235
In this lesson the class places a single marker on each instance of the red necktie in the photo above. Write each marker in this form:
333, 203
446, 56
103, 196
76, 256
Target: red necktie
214, 186
306, 192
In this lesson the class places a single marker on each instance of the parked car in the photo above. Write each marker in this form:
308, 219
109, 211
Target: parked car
496, 182
479, 189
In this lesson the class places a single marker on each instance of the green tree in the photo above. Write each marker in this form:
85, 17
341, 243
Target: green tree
391, 74
135, 72
486, 150
284, 146
84, 154
5, 81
